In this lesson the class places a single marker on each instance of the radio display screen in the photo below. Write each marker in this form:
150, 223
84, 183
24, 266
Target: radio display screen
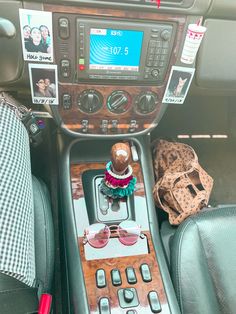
113, 49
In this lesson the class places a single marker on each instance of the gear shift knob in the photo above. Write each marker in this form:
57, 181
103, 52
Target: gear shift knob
120, 157
119, 181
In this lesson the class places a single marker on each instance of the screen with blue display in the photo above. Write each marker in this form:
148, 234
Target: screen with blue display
112, 49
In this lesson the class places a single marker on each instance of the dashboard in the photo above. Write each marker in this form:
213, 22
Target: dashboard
114, 59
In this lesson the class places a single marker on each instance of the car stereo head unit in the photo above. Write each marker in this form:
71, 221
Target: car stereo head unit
121, 50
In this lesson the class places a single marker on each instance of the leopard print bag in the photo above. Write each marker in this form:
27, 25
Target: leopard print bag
183, 187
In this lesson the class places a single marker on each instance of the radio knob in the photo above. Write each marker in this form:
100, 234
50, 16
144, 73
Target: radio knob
166, 35
118, 101
90, 101
146, 102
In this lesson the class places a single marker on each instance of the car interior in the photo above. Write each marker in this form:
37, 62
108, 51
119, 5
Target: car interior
107, 69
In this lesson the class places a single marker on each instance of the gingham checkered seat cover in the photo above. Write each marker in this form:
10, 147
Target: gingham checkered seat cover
17, 252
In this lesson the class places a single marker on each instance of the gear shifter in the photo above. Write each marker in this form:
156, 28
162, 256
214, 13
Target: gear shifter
118, 181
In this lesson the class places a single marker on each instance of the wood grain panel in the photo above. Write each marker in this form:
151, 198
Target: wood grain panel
72, 118
110, 291
78, 169
90, 267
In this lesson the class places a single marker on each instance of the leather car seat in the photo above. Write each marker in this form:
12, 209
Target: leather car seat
203, 262
15, 296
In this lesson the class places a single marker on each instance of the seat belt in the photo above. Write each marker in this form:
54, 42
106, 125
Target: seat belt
45, 303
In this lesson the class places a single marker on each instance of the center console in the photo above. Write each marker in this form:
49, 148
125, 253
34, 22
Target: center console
115, 278
113, 69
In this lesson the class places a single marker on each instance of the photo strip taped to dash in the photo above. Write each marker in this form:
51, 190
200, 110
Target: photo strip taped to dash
43, 83
178, 85
36, 35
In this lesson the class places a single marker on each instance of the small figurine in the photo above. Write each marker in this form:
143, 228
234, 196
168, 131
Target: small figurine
119, 181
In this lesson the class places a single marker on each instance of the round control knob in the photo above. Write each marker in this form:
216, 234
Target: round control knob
118, 101
128, 295
90, 101
165, 35
146, 102
155, 73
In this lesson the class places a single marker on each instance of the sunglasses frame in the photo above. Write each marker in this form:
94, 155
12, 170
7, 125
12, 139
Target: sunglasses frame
114, 230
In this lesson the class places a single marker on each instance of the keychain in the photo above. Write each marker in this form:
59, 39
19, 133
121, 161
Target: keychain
27, 117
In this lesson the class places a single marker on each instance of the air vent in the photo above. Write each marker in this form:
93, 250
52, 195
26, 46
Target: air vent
148, 3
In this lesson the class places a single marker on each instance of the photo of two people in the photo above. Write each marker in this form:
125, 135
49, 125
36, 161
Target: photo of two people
43, 81
36, 35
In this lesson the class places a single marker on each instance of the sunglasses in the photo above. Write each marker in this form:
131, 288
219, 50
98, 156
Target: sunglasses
98, 235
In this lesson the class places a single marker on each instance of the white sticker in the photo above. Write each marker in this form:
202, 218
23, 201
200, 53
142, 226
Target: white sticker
36, 35
178, 85
43, 83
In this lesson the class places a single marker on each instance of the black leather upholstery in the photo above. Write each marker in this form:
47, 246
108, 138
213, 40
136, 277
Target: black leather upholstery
203, 262
44, 234
16, 297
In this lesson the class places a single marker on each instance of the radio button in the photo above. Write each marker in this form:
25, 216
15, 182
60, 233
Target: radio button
64, 28
149, 63
151, 57
154, 35
81, 52
65, 68
82, 67
66, 101
151, 50
164, 51
166, 35
152, 43
158, 50
155, 73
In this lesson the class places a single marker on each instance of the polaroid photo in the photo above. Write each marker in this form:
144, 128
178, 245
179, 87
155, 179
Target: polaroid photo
178, 85
36, 35
43, 83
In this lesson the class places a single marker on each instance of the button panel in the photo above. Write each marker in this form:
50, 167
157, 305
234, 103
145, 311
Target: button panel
115, 277
66, 101
104, 306
154, 302
157, 53
128, 297
130, 274
145, 272
63, 28
101, 278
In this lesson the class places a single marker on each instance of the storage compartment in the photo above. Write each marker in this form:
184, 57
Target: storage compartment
216, 67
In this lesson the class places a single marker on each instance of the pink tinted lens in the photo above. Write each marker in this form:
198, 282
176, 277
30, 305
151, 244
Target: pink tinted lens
129, 232
98, 235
